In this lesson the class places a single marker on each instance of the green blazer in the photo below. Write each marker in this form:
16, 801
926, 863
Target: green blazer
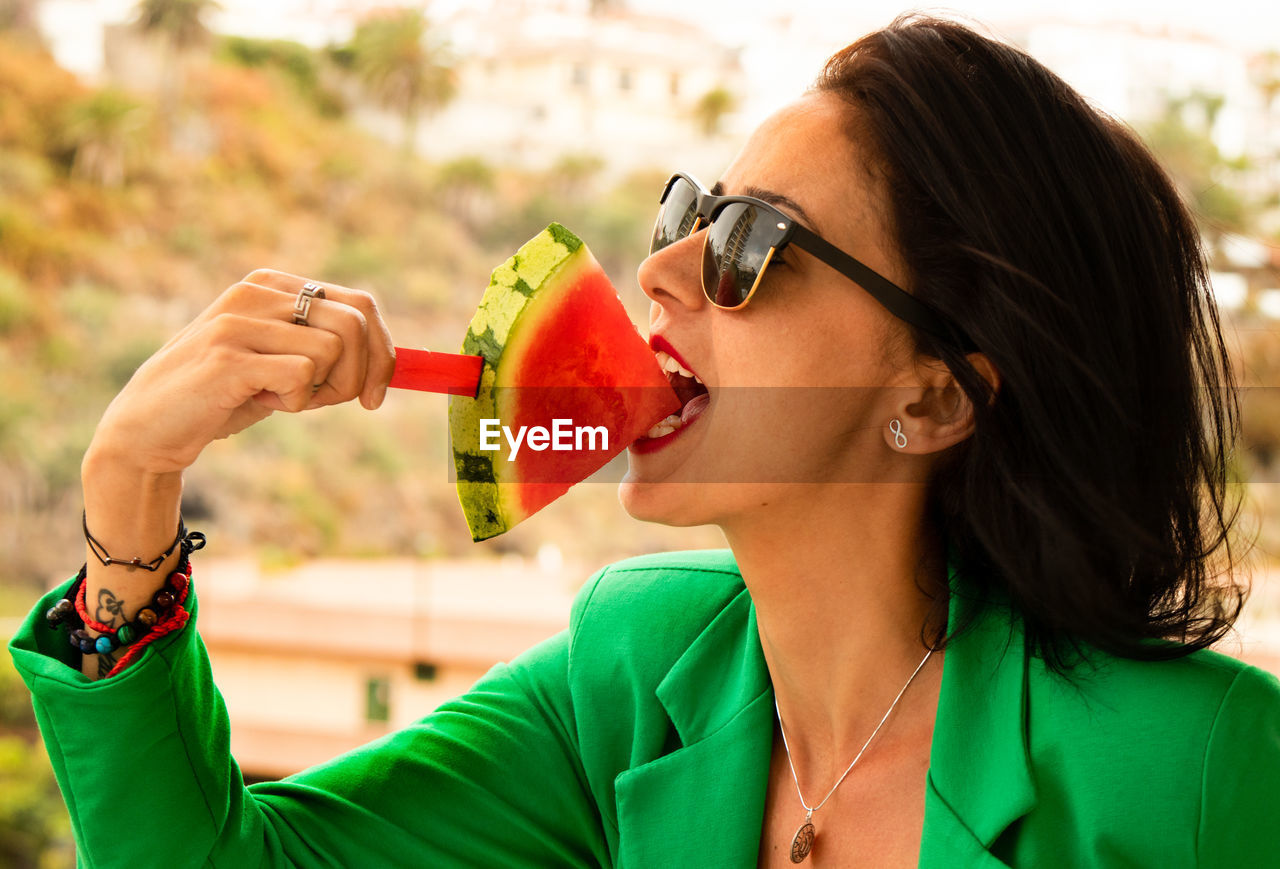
641, 738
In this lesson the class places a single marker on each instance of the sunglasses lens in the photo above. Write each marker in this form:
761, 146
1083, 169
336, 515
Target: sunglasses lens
676, 215
733, 255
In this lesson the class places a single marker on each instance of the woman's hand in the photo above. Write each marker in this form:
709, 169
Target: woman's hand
241, 359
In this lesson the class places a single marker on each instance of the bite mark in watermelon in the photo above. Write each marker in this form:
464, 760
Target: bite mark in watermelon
557, 344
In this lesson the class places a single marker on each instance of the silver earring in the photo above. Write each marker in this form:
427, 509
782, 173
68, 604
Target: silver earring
899, 439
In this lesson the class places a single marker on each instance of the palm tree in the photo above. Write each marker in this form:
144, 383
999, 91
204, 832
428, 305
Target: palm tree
710, 110
403, 66
106, 130
180, 24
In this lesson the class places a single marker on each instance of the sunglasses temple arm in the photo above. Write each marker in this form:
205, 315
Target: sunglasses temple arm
896, 300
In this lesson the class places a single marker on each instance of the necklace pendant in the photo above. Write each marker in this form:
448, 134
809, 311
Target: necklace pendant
802, 844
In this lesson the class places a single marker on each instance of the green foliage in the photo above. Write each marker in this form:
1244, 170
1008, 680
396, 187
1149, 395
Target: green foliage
296, 62
181, 21
35, 94
17, 308
360, 262
28, 247
126, 356
106, 131
292, 57
1182, 137
22, 174
403, 65
470, 173
711, 109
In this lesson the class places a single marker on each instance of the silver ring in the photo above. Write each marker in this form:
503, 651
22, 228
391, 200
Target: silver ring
302, 304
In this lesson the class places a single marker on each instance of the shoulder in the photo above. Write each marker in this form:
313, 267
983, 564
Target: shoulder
1169, 751
643, 613
690, 581
1147, 763
682, 591
1181, 696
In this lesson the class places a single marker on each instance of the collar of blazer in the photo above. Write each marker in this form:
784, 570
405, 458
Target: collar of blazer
704, 801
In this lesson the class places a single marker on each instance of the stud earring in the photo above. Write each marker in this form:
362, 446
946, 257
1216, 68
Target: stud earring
899, 439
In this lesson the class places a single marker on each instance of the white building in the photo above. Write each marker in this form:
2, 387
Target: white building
540, 80
1132, 71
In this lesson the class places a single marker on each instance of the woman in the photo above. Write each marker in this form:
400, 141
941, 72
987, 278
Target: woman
940, 636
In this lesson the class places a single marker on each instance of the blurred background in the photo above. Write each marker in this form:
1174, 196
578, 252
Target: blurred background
152, 152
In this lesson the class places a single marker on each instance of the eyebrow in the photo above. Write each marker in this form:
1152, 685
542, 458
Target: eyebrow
772, 198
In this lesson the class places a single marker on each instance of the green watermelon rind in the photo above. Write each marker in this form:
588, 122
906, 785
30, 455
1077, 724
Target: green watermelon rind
511, 288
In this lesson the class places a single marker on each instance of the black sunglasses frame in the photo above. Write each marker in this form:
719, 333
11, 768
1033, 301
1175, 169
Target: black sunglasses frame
779, 231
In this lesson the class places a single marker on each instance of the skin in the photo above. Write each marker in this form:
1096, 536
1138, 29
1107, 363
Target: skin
825, 515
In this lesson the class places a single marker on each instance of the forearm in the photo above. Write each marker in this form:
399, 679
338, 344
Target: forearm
131, 512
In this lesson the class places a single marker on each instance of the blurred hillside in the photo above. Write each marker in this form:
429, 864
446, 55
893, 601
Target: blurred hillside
124, 213
120, 222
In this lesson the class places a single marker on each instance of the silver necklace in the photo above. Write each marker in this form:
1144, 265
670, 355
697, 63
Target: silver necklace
802, 844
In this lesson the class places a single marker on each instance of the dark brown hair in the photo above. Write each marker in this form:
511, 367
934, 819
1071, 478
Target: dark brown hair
1094, 490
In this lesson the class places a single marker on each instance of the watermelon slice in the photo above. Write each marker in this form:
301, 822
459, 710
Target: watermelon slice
567, 383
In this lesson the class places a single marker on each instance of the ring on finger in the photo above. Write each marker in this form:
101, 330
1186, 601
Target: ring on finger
302, 304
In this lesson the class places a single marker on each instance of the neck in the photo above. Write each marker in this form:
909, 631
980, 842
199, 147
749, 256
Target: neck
836, 575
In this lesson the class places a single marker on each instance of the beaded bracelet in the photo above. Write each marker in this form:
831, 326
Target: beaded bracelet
165, 613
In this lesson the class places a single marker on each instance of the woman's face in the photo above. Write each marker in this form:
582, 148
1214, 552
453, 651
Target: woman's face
798, 378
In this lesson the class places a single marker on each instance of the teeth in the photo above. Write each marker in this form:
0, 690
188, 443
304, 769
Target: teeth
671, 366
665, 426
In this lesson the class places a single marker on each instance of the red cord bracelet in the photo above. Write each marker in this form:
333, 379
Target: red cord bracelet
165, 613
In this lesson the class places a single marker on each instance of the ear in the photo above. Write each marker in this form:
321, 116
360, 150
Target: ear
935, 413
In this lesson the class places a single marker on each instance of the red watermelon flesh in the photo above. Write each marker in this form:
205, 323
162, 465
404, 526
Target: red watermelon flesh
557, 345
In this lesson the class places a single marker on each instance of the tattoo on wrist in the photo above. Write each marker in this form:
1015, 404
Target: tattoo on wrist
110, 608
105, 663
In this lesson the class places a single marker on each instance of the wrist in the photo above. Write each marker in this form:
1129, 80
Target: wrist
128, 507
108, 467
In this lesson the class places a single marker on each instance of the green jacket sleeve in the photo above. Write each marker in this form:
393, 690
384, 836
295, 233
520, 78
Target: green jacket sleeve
491, 778
1240, 800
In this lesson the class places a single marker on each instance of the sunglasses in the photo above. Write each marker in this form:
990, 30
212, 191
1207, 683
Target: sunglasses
745, 234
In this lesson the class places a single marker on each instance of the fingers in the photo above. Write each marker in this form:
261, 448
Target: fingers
282, 382
377, 359
275, 338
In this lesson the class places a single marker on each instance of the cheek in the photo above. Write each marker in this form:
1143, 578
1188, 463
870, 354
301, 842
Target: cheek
836, 345
794, 434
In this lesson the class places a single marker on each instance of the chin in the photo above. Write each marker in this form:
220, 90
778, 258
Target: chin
680, 505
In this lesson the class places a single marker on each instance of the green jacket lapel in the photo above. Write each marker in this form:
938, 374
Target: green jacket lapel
979, 771
703, 803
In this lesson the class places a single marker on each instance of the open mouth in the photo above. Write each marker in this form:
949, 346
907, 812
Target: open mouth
692, 392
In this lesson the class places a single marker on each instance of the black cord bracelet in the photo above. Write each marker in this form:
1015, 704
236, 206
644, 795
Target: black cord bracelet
189, 541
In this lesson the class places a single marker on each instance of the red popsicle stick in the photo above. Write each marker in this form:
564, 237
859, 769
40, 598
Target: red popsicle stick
450, 373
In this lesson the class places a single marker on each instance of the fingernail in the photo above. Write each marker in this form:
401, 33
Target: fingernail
379, 396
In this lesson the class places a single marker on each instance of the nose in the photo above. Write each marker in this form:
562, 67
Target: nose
672, 277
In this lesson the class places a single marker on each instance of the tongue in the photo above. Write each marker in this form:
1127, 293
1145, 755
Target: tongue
694, 407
